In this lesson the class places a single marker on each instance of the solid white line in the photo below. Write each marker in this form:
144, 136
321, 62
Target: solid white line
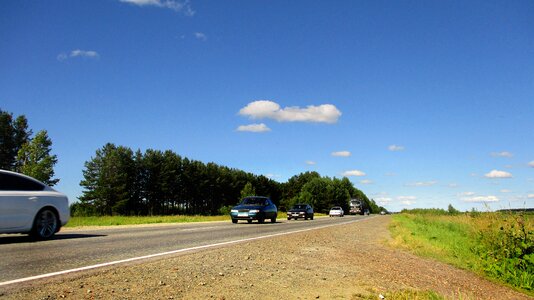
167, 253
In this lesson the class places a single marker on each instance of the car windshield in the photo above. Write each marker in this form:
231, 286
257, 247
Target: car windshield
336, 208
254, 201
299, 206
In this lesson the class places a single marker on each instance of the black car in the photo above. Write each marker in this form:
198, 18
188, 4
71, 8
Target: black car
254, 208
302, 210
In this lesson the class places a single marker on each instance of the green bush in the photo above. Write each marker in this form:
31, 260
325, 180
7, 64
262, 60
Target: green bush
507, 246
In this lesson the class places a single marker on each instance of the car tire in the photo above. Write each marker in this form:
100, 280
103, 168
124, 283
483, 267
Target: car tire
234, 221
273, 220
249, 221
311, 218
45, 225
261, 221
288, 219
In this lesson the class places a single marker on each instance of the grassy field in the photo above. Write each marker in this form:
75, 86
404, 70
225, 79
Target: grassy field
497, 245
133, 220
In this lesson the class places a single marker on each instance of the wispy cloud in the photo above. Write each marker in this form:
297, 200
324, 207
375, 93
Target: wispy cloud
89, 54
498, 174
502, 154
261, 109
383, 200
356, 173
254, 128
366, 181
531, 164
396, 148
201, 36
505, 191
467, 194
530, 196
183, 7
481, 199
422, 183
407, 200
311, 163
341, 153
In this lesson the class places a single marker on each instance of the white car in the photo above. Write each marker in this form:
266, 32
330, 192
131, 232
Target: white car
30, 206
336, 211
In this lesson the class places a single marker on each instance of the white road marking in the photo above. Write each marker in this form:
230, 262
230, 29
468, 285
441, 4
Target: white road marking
48, 275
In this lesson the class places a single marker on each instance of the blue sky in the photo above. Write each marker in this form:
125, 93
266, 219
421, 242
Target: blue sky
419, 103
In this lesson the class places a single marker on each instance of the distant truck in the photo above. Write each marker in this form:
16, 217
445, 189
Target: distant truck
358, 207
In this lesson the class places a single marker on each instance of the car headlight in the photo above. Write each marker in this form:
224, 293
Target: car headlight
233, 210
254, 211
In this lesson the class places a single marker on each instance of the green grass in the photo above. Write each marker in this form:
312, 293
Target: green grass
133, 220
137, 220
496, 245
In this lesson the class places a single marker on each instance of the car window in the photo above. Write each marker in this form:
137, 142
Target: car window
10, 182
254, 201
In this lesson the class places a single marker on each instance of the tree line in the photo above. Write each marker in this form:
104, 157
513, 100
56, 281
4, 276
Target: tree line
119, 181
21, 152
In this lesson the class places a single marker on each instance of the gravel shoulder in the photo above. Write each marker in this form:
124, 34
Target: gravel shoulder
343, 262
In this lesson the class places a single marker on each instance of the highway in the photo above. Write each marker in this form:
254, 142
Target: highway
75, 248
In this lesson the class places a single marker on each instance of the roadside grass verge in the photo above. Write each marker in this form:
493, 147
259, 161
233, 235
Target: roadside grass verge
138, 220
496, 245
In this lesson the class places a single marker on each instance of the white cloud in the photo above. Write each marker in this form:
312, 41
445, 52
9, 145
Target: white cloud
395, 148
467, 194
498, 174
366, 181
530, 196
531, 164
311, 163
254, 128
406, 198
341, 153
201, 36
325, 113
407, 202
505, 191
383, 200
78, 53
353, 173
502, 154
184, 7
452, 185
422, 183
481, 199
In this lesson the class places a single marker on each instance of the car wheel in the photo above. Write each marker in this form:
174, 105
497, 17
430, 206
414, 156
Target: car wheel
306, 218
45, 224
311, 218
288, 219
249, 221
261, 220
273, 220
234, 221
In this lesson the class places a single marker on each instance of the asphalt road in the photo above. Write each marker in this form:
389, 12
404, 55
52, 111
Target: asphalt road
20, 257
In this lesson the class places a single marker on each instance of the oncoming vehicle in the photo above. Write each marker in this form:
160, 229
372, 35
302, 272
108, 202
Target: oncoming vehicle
254, 208
30, 206
302, 210
336, 211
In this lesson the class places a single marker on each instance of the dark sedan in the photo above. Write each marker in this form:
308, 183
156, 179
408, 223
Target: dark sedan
304, 211
254, 208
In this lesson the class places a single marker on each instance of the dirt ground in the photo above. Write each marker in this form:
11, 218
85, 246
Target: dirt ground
343, 262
